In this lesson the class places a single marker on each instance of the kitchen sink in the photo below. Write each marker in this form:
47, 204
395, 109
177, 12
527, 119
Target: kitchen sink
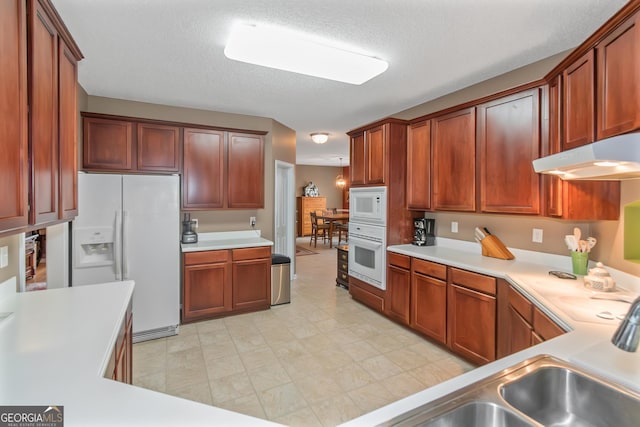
558, 396
541, 391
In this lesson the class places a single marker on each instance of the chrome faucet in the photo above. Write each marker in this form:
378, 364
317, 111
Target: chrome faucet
628, 334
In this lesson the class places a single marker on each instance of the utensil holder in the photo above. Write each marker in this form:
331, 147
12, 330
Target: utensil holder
579, 262
493, 247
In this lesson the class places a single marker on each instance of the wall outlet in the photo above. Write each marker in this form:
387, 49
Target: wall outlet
252, 221
454, 226
195, 222
4, 256
537, 235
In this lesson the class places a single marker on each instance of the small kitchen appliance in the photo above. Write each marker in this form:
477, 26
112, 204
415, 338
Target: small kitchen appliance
424, 232
188, 235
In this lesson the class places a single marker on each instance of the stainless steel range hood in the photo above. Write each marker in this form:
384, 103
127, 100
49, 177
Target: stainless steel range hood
612, 159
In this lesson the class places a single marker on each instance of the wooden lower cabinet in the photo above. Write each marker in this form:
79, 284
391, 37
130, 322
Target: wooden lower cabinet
366, 294
342, 278
120, 366
223, 282
398, 297
429, 299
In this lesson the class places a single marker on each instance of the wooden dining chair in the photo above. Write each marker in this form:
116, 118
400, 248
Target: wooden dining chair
342, 228
318, 229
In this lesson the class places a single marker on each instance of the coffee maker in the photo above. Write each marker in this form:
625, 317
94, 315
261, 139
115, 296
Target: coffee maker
424, 232
188, 235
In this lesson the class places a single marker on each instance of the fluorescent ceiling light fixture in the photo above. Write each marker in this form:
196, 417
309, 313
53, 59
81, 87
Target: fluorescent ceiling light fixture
320, 137
291, 51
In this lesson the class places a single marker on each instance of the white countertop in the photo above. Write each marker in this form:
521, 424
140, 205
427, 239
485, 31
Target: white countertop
226, 240
54, 350
588, 345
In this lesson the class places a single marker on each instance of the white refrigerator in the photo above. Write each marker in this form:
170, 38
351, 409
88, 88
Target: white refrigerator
128, 228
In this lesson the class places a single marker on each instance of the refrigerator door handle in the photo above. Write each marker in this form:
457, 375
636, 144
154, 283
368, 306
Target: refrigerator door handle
125, 245
118, 246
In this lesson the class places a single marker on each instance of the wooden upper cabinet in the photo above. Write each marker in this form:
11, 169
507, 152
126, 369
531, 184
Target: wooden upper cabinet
453, 139
618, 85
419, 166
357, 165
245, 171
203, 169
375, 141
68, 133
158, 148
509, 140
14, 162
578, 102
107, 144
43, 100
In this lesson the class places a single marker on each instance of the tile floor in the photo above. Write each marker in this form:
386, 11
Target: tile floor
321, 360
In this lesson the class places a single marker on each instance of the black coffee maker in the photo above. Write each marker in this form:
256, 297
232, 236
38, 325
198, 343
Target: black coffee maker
424, 232
188, 235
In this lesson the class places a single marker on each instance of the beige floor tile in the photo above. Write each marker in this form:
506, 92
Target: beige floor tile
267, 377
316, 343
230, 387
402, 385
262, 356
210, 325
385, 342
406, 358
336, 410
372, 396
183, 342
332, 358
215, 351
430, 374
156, 381
217, 337
145, 366
380, 367
360, 350
352, 376
248, 405
198, 392
223, 366
289, 350
302, 418
302, 329
303, 366
281, 400
249, 342
316, 389
150, 348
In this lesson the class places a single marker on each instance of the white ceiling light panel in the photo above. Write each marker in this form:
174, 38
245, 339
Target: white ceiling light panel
291, 51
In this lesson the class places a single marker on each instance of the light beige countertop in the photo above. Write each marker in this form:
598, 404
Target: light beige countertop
226, 240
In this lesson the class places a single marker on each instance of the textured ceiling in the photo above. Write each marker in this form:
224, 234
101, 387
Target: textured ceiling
171, 52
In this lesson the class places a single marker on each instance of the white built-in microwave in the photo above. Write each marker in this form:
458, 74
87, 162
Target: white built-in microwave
368, 205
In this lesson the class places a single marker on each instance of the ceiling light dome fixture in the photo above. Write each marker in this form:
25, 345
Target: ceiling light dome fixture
319, 137
340, 181
288, 50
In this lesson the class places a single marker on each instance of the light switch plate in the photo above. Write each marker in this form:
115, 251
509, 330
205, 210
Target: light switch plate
536, 235
454, 226
4, 256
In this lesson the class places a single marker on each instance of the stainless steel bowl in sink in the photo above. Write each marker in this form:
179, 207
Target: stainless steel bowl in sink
561, 396
541, 391
473, 414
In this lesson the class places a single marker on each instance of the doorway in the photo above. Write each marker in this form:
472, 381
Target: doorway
284, 215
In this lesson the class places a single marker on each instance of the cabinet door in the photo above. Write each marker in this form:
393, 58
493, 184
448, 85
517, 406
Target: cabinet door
357, 167
472, 324
43, 39
251, 284
206, 290
107, 144
203, 170
398, 298
429, 306
578, 102
68, 131
618, 110
509, 140
375, 142
158, 148
419, 166
245, 183
520, 332
544, 327
453, 137
13, 104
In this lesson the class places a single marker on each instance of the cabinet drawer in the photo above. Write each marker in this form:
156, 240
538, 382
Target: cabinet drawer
205, 257
374, 301
544, 326
251, 253
476, 281
398, 260
343, 277
521, 305
429, 268
343, 255
343, 266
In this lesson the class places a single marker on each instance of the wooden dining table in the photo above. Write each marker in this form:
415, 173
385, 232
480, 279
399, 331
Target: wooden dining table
331, 218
